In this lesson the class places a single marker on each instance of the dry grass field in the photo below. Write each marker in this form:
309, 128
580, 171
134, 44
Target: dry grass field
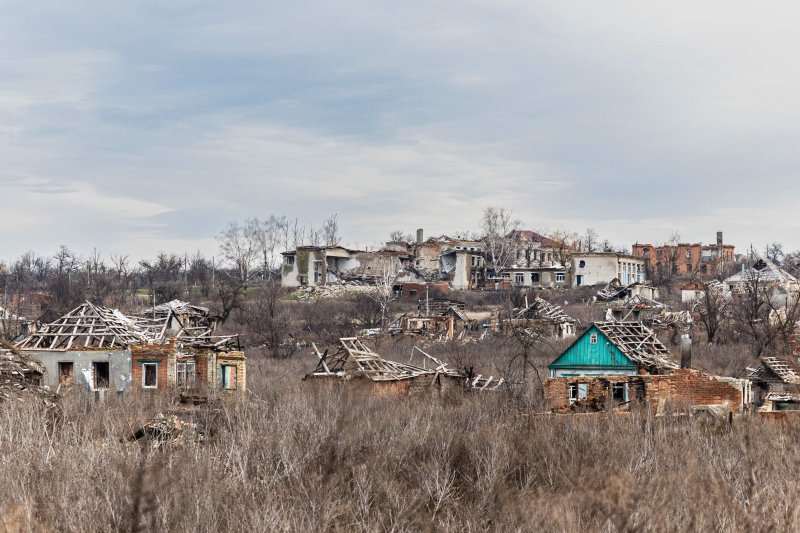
291, 456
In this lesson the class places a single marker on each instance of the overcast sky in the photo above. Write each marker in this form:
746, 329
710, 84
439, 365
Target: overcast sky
150, 127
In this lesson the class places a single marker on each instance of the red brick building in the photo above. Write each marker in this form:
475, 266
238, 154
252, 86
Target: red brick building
684, 259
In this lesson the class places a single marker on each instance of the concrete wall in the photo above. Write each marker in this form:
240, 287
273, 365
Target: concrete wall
601, 268
119, 366
461, 275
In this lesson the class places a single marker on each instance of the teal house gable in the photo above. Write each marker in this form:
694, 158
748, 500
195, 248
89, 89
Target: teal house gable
592, 354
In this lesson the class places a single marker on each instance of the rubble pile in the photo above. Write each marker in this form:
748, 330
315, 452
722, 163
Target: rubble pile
169, 428
342, 290
19, 376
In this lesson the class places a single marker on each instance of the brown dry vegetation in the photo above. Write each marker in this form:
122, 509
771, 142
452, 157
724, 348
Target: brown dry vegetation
292, 456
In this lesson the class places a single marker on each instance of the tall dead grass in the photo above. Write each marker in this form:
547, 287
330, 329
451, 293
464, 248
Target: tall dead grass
294, 456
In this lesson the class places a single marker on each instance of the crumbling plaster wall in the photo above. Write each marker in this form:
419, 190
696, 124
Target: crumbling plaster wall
119, 363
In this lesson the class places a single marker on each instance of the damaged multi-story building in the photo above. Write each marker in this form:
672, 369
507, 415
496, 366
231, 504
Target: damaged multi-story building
107, 351
596, 268
459, 262
614, 365
320, 265
685, 259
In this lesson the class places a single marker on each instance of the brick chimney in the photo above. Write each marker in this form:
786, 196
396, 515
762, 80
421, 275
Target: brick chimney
420, 236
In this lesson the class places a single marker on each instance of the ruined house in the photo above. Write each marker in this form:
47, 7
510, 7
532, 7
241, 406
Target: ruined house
764, 275
776, 384
693, 291
438, 318
89, 345
545, 319
613, 365
105, 350
193, 365
353, 362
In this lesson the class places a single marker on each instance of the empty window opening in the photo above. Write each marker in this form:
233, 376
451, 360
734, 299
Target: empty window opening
227, 377
619, 392
150, 375
535, 277
101, 375
577, 392
65, 372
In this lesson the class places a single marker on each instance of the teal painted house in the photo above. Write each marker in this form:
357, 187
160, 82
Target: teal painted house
614, 349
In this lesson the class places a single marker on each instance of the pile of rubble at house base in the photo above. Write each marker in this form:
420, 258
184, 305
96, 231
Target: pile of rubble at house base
353, 362
20, 377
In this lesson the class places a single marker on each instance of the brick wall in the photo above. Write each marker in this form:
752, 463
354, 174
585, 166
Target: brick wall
680, 390
686, 387
162, 354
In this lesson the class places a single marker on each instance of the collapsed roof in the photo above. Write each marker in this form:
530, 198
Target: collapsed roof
88, 326
91, 326
763, 270
177, 307
784, 368
639, 344
353, 358
542, 309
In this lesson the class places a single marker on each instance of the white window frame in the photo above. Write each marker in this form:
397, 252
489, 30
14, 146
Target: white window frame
519, 278
560, 277
182, 373
144, 376
593, 338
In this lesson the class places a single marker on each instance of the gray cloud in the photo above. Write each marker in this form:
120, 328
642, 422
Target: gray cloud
150, 126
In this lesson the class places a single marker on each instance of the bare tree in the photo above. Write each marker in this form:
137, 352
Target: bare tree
399, 236
591, 240
774, 252
298, 234
713, 310
383, 294
267, 234
314, 236
498, 226
564, 244
330, 230
267, 320
765, 313
238, 244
